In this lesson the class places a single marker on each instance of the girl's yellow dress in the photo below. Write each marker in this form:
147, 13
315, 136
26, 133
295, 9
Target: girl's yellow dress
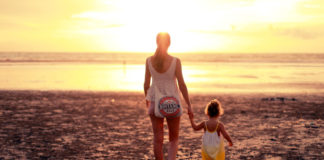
212, 145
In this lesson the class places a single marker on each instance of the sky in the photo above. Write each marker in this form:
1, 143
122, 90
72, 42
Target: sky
203, 26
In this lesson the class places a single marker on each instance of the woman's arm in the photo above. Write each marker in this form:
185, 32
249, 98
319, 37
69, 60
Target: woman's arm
182, 85
147, 80
225, 134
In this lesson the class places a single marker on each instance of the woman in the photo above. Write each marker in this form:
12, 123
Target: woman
164, 70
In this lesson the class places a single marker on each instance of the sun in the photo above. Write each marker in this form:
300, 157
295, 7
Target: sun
131, 26
194, 26
143, 22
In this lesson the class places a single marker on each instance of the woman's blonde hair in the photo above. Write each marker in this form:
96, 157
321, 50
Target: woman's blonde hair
214, 108
162, 39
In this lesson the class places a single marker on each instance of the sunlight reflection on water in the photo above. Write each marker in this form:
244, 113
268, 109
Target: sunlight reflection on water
200, 77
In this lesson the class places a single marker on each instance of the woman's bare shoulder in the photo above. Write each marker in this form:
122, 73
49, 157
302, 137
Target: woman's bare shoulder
147, 58
177, 59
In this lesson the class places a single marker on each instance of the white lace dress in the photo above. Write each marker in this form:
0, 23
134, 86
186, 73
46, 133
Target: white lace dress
164, 82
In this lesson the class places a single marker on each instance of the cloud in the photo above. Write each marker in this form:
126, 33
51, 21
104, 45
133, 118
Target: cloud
91, 15
296, 30
305, 32
298, 33
311, 7
114, 25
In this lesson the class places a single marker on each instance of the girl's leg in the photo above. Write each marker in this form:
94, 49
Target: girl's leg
173, 125
157, 125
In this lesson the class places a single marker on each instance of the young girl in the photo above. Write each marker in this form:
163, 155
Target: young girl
212, 141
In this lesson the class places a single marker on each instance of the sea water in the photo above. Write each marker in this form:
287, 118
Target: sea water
124, 72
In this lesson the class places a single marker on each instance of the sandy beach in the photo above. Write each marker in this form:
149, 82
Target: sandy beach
108, 125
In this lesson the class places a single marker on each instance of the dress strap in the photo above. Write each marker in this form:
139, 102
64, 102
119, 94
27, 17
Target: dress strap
206, 125
217, 125
173, 64
149, 63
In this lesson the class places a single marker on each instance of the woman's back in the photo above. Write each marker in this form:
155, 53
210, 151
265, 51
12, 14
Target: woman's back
167, 71
164, 81
166, 63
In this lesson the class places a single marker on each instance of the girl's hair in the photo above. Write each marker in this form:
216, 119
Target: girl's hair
214, 108
162, 40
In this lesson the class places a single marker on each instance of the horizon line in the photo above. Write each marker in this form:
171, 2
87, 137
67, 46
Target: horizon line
120, 52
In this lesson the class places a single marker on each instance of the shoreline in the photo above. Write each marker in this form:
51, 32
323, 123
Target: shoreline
142, 92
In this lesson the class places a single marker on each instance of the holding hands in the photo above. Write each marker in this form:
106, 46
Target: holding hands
202, 125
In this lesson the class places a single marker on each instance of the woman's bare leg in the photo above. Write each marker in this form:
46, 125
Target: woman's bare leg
173, 125
157, 125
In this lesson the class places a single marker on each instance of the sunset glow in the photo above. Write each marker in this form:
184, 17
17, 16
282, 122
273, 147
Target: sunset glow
131, 26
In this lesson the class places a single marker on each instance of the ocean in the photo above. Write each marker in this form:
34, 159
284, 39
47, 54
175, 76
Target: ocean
124, 72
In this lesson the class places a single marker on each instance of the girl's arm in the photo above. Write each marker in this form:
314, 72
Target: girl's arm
147, 80
225, 134
194, 126
182, 85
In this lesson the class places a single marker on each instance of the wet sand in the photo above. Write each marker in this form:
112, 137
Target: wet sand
107, 125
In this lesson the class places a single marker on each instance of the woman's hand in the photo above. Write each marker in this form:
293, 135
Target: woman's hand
191, 116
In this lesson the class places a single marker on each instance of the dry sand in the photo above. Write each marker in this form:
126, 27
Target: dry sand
105, 125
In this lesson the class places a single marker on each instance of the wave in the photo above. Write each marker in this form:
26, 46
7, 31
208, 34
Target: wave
35, 57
